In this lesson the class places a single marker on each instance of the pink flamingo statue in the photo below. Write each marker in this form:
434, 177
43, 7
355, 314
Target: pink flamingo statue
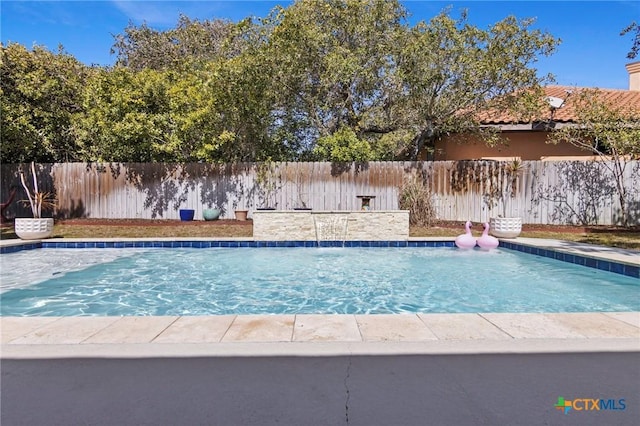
466, 240
487, 241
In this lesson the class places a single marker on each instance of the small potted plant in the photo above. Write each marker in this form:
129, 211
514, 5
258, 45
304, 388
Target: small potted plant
302, 197
36, 227
186, 215
267, 180
299, 177
242, 202
209, 214
241, 214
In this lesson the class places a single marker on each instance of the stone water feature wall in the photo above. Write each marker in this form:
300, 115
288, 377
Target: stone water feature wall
304, 225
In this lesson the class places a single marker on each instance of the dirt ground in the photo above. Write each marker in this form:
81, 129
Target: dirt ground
150, 222
439, 224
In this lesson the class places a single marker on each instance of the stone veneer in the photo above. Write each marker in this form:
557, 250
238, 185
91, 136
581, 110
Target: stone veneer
301, 225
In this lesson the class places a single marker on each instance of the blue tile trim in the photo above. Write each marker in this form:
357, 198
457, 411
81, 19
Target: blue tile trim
221, 243
630, 270
606, 265
13, 249
589, 262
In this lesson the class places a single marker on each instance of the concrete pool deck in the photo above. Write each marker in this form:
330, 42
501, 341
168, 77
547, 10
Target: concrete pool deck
318, 335
238, 335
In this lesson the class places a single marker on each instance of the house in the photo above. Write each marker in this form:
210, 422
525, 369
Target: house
528, 140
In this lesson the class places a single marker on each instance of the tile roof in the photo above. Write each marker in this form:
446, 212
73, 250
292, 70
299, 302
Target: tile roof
567, 113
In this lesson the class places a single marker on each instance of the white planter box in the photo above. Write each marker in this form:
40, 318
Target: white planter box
33, 229
505, 227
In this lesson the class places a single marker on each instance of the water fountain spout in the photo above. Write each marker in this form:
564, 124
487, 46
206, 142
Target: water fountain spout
331, 229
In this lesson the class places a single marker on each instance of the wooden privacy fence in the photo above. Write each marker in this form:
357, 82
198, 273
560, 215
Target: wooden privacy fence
571, 192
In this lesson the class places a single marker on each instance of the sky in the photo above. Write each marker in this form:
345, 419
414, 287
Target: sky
592, 52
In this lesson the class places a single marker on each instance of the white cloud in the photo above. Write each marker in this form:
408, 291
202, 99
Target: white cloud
164, 14
151, 12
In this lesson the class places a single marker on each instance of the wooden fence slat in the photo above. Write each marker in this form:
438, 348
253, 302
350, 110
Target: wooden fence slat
156, 190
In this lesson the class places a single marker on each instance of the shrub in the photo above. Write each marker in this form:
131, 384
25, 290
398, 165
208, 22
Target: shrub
415, 196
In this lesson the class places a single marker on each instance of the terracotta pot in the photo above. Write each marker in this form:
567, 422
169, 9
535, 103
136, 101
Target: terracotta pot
241, 214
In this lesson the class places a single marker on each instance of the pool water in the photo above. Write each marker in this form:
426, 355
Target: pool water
190, 281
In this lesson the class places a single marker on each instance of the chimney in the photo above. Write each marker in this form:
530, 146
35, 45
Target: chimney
634, 75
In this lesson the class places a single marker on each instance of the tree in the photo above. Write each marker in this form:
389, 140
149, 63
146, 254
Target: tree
228, 112
608, 130
217, 113
343, 146
452, 71
334, 79
143, 47
356, 63
333, 62
634, 29
242, 112
154, 115
126, 116
40, 94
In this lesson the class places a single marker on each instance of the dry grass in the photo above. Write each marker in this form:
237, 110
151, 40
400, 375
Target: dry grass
612, 237
176, 231
627, 238
620, 239
146, 229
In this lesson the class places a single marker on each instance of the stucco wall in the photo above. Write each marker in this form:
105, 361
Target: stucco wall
634, 75
526, 145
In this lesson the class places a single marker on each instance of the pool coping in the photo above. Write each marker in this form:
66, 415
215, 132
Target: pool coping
331, 335
318, 335
626, 262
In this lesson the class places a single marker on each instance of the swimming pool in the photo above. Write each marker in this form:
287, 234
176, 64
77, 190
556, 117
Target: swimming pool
213, 281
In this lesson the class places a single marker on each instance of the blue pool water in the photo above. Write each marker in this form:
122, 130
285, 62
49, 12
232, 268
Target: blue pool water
187, 281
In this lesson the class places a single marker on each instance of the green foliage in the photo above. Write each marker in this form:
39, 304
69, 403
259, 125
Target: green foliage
343, 146
341, 80
213, 114
502, 183
454, 71
143, 47
634, 29
126, 113
40, 92
335, 63
243, 110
